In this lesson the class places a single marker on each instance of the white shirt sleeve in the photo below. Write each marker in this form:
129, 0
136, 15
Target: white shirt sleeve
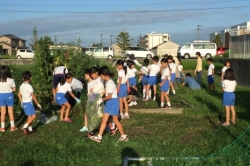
13, 85
109, 88
30, 89
137, 63
68, 87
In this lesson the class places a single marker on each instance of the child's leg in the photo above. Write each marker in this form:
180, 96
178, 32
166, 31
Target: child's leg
31, 118
172, 86
124, 100
147, 91
118, 125
213, 86
233, 113
62, 112
11, 115
121, 105
85, 120
144, 91
227, 114
167, 99
154, 88
3, 113
162, 99
68, 107
103, 124
208, 86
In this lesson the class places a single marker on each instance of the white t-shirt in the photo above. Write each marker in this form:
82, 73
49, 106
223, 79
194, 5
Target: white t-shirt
121, 74
26, 90
224, 69
60, 70
229, 86
165, 73
210, 69
64, 88
98, 86
111, 88
131, 72
159, 62
90, 86
154, 70
144, 70
6, 87
180, 67
76, 84
172, 67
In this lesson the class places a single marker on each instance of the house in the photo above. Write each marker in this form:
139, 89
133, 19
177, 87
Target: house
169, 48
152, 40
224, 36
9, 44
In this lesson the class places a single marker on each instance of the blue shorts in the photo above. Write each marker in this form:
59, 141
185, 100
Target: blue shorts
56, 79
144, 80
112, 107
7, 99
210, 79
173, 76
152, 80
132, 81
123, 91
28, 108
165, 86
60, 99
228, 99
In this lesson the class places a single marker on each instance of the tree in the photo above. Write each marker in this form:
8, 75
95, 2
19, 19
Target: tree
218, 41
123, 41
96, 44
33, 45
141, 43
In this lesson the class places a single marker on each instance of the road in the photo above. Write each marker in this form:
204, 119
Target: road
16, 61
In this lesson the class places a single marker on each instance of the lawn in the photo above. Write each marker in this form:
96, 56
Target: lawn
7, 57
195, 133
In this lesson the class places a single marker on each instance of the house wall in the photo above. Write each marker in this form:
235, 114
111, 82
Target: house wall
5, 39
153, 40
6, 49
169, 48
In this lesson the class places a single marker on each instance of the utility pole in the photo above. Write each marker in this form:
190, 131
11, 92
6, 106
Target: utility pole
101, 39
198, 29
77, 35
111, 40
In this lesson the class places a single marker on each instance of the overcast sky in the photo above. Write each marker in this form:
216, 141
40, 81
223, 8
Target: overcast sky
90, 19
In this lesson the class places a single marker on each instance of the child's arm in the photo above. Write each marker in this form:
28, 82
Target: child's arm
13, 89
130, 98
119, 84
72, 95
107, 97
20, 97
183, 83
35, 100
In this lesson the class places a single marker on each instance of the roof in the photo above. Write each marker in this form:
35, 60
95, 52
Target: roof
163, 44
12, 37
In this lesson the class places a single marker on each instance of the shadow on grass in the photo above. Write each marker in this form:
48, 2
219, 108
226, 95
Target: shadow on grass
28, 163
129, 152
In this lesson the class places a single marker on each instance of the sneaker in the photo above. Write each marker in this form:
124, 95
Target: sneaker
168, 107
84, 129
122, 116
162, 107
90, 134
130, 104
96, 138
126, 115
13, 128
123, 138
113, 131
2, 130
154, 98
135, 103
25, 131
145, 99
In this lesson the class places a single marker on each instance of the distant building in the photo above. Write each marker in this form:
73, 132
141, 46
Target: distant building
152, 40
169, 48
240, 29
224, 36
10, 44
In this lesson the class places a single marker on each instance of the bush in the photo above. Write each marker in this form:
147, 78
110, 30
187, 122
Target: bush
226, 54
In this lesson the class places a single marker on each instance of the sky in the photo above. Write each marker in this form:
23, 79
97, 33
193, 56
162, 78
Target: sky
67, 20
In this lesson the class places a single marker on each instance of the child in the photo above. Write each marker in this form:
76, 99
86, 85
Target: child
62, 88
131, 72
226, 66
145, 76
228, 86
152, 80
133, 97
7, 87
111, 106
180, 68
131, 57
77, 87
164, 83
122, 89
26, 95
191, 82
172, 67
210, 74
89, 92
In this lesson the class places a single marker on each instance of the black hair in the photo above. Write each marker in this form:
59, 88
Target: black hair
120, 62
170, 57
226, 61
94, 69
209, 59
83, 81
26, 75
155, 58
165, 56
4, 73
87, 71
114, 60
66, 76
146, 62
130, 63
229, 74
180, 61
188, 75
173, 61
165, 60
104, 70
199, 54
125, 69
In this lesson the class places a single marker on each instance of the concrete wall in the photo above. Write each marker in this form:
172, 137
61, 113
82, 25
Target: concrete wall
169, 48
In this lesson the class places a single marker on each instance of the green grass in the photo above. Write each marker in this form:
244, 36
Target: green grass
191, 64
197, 132
7, 57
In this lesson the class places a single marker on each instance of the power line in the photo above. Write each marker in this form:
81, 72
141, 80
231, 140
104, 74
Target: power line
110, 5
132, 11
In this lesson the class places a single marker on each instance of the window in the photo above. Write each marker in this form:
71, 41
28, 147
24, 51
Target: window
22, 50
134, 48
198, 46
142, 49
209, 46
99, 49
28, 51
186, 46
105, 49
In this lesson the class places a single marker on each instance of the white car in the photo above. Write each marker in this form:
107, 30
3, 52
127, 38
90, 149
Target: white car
103, 52
138, 52
25, 53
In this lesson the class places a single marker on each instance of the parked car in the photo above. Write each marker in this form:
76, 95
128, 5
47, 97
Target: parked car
138, 52
221, 50
25, 53
103, 52
189, 50
89, 50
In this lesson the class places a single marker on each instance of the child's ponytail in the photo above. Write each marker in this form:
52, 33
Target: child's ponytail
125, 69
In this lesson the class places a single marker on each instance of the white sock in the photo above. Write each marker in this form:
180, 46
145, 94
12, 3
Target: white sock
99, 136
162, 104
126, 113
168, 92
147, 97
2, 124
144, 92
149, 93
30, 128
25, 125
168, 103
173, 91
121, 114
124, 136
12, 124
